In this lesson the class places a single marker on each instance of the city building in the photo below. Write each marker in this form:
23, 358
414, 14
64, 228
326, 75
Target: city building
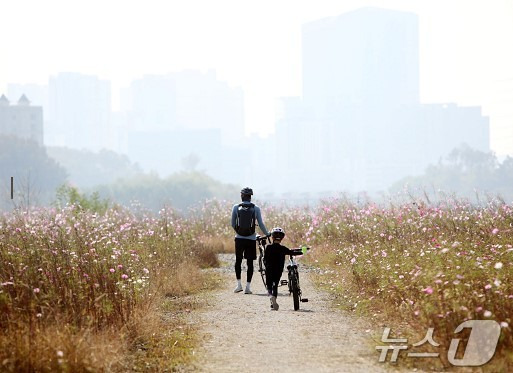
359, 124
21, 120
185, 100
169, 117
79, 112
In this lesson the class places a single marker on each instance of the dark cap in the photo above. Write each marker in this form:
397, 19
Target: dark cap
247, 191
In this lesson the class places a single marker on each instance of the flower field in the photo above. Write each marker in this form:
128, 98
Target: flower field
414, 265
409, 265
76, 287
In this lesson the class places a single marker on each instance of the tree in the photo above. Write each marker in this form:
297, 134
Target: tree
88, 169
466, 171
36, 176
180, 190
190, 162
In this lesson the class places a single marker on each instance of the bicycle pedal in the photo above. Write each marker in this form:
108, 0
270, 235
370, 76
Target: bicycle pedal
304, 300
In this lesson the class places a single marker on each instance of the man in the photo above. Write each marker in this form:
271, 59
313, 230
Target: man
244, 216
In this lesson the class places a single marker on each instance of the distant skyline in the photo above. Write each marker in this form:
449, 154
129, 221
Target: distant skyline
465, 47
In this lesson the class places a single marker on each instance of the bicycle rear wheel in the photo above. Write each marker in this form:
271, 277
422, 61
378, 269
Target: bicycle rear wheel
261, 269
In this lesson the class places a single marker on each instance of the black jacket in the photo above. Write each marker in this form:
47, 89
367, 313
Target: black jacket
274, 257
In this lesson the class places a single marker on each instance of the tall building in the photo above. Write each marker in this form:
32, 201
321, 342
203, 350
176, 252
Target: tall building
21, 120
366, 57
79, 112
171, 117
359, 124
150, 103
204, 102
185, 100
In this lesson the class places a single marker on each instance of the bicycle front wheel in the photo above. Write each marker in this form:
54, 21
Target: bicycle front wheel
294, 287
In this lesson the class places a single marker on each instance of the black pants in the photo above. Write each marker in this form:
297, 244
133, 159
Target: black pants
272, 280
244, 249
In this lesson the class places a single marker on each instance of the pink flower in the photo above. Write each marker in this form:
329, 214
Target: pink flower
488, 286
36, 290
428, 290
124, 277
495, 231
112, 270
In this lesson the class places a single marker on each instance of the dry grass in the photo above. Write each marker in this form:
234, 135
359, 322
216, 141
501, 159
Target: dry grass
220, 245
414, 268
157, 337
186, 280
81, 292
162, 339
62, 349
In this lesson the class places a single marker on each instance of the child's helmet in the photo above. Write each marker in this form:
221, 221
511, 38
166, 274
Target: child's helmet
278, 233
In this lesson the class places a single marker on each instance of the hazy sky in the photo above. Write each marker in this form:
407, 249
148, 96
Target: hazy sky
466, 47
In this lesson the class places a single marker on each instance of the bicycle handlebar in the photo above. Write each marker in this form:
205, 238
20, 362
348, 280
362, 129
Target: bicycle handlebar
262, 238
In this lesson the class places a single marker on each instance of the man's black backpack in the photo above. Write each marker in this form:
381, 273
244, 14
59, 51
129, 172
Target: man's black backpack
245, 223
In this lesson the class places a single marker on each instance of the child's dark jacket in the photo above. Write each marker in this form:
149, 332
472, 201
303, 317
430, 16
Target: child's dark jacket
274, 257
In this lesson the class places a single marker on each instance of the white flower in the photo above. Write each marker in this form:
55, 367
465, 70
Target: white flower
487, 314
498, 265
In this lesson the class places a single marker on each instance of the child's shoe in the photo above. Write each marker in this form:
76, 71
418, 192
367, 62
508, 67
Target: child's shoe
238, 289
275, 304
248, 289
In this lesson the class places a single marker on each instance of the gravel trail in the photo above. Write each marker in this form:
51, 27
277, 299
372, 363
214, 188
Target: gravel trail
242, 333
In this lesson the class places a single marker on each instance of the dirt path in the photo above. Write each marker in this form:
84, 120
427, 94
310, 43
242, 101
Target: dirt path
243, 334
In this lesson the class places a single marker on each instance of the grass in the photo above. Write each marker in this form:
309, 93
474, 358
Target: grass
84, 292
416, 266
89, 292
410, 265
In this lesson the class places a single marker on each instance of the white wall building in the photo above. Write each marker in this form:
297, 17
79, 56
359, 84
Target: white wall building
21, 120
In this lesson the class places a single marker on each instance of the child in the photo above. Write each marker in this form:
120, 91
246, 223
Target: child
274, 260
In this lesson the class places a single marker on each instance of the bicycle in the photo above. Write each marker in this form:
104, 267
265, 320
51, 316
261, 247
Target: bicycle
293, 282
292, 268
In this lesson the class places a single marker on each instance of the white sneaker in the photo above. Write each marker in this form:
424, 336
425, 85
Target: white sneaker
238, 289
248, 290
275, 305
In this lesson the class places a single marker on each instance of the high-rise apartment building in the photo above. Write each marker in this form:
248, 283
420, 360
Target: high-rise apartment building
187, 100
171, 117
359, 124
366, 57
79, 111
